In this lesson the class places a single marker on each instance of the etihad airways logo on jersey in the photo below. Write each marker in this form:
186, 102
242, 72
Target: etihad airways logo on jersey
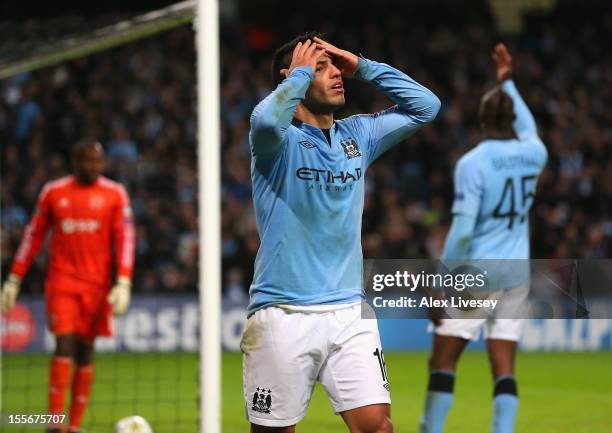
327, 180
328, 176
70, 226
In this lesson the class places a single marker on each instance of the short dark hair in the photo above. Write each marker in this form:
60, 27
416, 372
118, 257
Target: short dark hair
496, 110
82, 144
282, 56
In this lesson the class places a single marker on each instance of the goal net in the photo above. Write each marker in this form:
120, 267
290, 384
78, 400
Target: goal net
129, 81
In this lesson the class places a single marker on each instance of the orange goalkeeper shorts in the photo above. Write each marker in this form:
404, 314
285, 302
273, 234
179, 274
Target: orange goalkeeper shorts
84, 311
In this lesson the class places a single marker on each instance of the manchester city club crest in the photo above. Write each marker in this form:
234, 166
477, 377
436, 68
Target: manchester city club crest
351, 148
262, 400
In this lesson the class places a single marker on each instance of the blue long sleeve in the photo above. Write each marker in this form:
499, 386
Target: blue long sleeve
524, 124
411, 97
272, 117
457, 246
416, 106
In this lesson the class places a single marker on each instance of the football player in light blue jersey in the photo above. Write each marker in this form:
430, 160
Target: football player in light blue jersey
494, 190
308, 190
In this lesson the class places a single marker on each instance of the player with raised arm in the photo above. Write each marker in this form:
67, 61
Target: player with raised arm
90, 219
308, 188
494, 190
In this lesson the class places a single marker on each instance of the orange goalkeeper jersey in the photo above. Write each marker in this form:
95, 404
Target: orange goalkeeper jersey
92, 233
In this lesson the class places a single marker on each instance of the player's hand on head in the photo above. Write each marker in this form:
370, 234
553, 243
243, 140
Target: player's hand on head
344, 60
304, 54
10, 290
503, 62
119, 296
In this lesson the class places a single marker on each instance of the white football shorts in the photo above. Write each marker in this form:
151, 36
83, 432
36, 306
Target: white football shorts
499, 326
286, 350
469, 329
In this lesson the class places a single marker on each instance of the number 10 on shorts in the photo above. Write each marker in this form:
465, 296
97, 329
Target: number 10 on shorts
378, 353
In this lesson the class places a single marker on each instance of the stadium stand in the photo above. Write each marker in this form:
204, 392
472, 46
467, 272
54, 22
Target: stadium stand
139, 99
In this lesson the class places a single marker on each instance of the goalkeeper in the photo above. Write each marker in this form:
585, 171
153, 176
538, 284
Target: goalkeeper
87, 215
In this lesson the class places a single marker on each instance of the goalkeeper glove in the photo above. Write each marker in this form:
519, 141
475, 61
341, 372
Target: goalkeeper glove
10, 290
119, 296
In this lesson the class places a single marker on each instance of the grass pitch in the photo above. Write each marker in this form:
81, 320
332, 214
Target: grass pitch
559, 392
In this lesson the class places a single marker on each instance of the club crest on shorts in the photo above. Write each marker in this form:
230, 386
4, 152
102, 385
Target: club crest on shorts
262, 400
351, 148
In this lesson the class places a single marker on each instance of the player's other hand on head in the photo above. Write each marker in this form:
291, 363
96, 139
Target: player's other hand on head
344, 60
119, 296
304, 54
10, 290
503, 62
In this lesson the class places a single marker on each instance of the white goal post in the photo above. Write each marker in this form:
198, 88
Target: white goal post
209, 178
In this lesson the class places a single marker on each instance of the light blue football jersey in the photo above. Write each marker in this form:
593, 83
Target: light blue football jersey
309, 194
495, 182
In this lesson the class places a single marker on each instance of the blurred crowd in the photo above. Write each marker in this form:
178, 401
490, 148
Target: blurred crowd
140, 101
